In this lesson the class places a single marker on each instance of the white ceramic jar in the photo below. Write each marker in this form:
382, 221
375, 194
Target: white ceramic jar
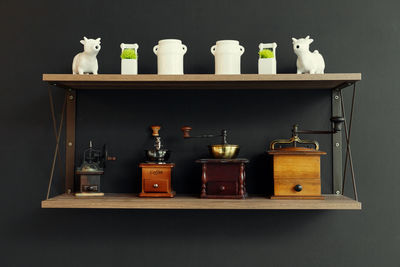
170, 54
227, 55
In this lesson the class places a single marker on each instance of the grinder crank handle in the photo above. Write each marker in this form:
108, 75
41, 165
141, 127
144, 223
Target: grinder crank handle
186, 131
106, 157
186, 134
155, 129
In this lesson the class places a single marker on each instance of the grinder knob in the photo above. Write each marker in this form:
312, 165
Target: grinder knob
155, 129
186, 131
298, 188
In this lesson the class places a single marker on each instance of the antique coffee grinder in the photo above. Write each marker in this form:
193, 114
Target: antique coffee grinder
93, 164
156, 171
297, 170
223, 175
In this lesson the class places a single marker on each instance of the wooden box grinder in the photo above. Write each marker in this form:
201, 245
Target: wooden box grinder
156, 180
223, 178
297, 173
156, 172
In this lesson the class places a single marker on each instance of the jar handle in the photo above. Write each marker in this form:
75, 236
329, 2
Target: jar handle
155, 49
213, 49
184, 47
241, 48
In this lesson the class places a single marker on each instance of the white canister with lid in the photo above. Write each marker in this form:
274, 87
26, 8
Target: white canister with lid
227, 55
170, 54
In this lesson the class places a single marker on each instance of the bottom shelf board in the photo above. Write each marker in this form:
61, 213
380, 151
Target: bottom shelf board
131, 201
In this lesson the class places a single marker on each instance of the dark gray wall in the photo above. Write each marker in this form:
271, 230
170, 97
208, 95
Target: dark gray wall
43, 36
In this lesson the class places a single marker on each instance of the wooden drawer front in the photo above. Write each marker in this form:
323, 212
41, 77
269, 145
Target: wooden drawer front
153, 185
223, 172
286, 187
222, 188
156, 173
296, 166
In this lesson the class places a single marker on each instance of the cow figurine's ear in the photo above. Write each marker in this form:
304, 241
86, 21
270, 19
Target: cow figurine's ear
84, 40
309, 40
294, 40
98, 40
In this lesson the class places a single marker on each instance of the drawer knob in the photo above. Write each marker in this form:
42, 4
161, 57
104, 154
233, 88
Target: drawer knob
298, 188
222, 188
155, 185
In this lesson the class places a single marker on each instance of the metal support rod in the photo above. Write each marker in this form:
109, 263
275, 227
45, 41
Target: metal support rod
348, 148
53, 115
56, 151
337, 155
70, 119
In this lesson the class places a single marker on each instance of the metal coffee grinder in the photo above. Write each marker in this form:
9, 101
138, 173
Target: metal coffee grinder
158, 154
90, 171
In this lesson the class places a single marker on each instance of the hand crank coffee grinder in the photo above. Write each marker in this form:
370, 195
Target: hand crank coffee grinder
223, 176
156, 172
93, 164
297, 170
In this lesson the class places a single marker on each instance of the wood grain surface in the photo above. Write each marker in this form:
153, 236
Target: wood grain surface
203, 81
131, 201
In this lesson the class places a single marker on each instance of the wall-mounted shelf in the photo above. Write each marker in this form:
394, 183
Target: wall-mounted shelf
334, 82
202, 81
131, 201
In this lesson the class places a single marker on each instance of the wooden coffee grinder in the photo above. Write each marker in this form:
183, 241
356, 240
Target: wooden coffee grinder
297, 170
223, 175
156, 172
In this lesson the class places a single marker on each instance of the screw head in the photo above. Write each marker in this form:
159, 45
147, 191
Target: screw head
337, 144
71, 97
337, 192
336, 97
69, 143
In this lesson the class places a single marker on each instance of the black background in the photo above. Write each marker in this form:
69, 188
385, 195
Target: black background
43, 36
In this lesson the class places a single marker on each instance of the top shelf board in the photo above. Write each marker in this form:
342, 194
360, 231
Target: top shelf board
203, 81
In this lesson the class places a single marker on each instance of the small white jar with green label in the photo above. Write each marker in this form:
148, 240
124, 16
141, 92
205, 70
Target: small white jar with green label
129, 64
267, 60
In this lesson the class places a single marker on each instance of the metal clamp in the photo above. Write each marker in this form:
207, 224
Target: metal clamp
294, 139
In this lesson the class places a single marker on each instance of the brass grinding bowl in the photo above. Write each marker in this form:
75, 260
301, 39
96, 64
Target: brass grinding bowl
224, 151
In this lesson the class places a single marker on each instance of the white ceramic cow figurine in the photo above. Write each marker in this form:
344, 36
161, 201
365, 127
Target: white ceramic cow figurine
86, 62
307, 62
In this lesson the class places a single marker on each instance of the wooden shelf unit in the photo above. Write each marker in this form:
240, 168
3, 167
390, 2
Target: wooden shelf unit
73, 83
202, 81
131, 201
